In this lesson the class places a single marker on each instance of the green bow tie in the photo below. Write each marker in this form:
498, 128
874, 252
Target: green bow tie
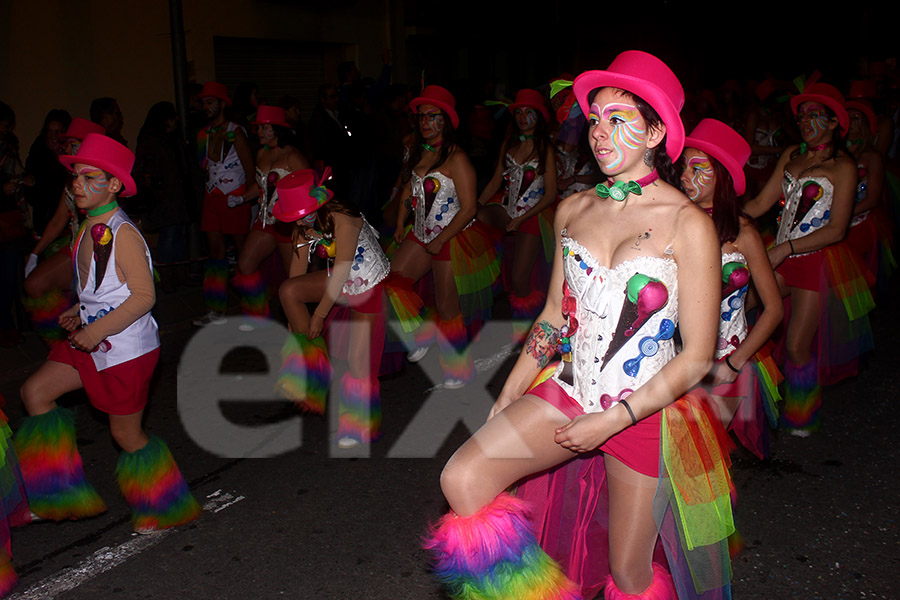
619, 190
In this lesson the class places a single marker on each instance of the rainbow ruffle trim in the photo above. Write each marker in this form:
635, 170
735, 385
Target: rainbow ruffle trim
154, 488
404, 300
305, 372
44, 312
524, 310
51, 467
476, 266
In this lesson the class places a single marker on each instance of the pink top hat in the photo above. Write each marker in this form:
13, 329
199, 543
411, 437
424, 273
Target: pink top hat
726, 145
273, 115
530, 99
647, 77
300, 194
865, 108
862, 88
79, 128
213, 89
440, 97
105, 153
827, 95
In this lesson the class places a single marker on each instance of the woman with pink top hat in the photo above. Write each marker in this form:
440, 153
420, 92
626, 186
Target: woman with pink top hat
112, 351
328, 228
828, 291
439, 189
278, 156
47, 283
635, 259
744, 375
515, 199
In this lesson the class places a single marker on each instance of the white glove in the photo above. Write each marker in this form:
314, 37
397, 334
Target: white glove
235, 201
30, 264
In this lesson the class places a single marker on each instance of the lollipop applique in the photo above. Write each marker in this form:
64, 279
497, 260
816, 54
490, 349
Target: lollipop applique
811, 193
102, 236
735, 278
644, 297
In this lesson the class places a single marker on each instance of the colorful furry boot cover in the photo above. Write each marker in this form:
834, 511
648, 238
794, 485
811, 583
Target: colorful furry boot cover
44, 312
51, 467
524, 310
456, 359
662, 588
253, 293
154, 488
305, 372
215, 286
360, 409
8, 577
802, 397
493, 554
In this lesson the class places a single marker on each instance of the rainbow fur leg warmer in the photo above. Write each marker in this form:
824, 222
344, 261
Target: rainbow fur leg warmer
360, 409
154, 488
803, 395
253, 294
493, 554
453, 341
44, 312
54, 478
524, 310
305, 372
8, 577
662, 588
215, 286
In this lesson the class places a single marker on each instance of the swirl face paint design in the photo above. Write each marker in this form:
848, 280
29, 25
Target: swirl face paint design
818, 120
701, 173
526, 118
626, 134
95, 183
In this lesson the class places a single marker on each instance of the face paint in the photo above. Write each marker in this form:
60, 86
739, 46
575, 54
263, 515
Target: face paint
431, 121
309, 220
813, 120
626, 135
526, 118
699, 171
93, 185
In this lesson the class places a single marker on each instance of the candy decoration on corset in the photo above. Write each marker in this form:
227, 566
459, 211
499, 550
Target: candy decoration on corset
649, 346
644, 297
271, 181
735, 275
432, 186
102, 236
325, 248
812, 193
528, 176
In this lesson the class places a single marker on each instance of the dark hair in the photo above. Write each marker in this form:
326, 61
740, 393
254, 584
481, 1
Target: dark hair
157, 118
60, 116
448, 137
838, 139
101, 107
286, 137
324, 218
661, 160
726, 213
541, 139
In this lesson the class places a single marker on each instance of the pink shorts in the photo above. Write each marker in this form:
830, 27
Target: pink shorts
118, 390
804, 272
442, 256
637, 447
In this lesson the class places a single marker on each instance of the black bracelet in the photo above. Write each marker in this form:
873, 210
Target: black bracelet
630, 412
731, 366
791, 242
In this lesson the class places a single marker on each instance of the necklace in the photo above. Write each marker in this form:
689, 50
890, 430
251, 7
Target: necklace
804, 147
621, 189
523, 137
100, 210
432, 147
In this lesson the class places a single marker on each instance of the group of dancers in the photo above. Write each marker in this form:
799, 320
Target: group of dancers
630, 299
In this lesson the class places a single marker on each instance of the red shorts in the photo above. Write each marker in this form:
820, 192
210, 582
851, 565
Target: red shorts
118, 390
282, 232
532, 226
637, 447
804, 272
369, 302
739, 388
443, 255
217, 216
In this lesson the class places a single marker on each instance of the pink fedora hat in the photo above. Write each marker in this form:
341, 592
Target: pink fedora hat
105, 153
827, 95
865, 108
79, 128
273, 115
301, 193
440, 97
213, 89
530, 99
647, 77
724, 144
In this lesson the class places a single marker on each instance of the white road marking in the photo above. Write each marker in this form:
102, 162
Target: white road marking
483, 364
108, 558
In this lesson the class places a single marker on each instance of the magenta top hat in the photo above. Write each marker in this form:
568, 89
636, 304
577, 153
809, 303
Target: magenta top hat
724, 144
273, 115
530, 99
647, 77
863, 88
79, 128
865, 108
105, 153
213, 89
440, 97
827, 95
300, 194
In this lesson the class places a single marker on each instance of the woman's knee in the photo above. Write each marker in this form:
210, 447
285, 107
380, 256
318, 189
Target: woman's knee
35, 397
799, 351
458, 481
630, 578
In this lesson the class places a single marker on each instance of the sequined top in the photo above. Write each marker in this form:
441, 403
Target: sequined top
732, 320
435, 204
807, 207
524, 186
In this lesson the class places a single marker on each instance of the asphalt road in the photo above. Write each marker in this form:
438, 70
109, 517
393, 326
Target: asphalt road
312, 522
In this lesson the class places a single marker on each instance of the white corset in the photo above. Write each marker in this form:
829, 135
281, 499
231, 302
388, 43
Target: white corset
817, 214
435, 208
268, 195
524, 186
370, 265
732, 320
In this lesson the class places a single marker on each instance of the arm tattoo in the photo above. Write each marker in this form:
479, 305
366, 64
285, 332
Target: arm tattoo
541, 342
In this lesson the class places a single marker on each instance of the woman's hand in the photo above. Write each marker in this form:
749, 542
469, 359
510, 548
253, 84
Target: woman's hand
514, 224
502, 402
434, 247
81, 340
778, 253
719, 374
69, 320
399, 234
316, 325
585, 432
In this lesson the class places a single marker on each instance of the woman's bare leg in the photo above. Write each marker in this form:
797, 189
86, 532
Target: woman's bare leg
49, 382
258, 246
295, 292
55, 273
